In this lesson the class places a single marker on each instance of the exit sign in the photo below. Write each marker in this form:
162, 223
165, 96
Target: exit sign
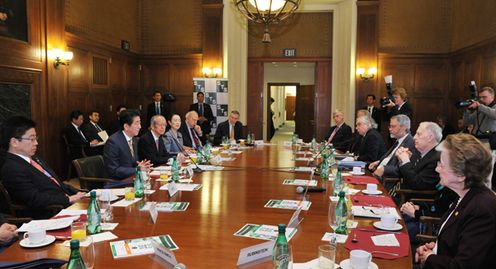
289, 52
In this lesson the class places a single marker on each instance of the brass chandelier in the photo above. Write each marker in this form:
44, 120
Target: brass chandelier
267, 12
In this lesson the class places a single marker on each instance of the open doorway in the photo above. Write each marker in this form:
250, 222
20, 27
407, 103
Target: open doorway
281, 111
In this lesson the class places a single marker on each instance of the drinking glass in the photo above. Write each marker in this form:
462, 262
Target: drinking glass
129, 194
330, 215
104, 201
78, 230
327, 256
87, 249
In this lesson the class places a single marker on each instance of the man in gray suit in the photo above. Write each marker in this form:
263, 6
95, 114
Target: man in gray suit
399, 129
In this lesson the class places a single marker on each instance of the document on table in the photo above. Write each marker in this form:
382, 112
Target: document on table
339, 238
105, 236
288, 204
385, 240
183, 187
48, 224
303, 158
209, 167
140, 246
115, 192
264, 232
300, 182
304, 169
167, 206
373, 212
124, 202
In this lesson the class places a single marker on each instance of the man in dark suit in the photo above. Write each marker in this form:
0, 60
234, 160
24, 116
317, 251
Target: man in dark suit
231, 128
400, 105
157, 107
26, 177
75, 137
115, 125
418, 168
92, 128
192, 133
205, 115
151, 145
374, 112
399, 129
372, 146
340, 135
120, 153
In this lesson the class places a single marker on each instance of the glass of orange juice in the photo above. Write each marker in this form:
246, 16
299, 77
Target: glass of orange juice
129, 194
78, 231
164, 175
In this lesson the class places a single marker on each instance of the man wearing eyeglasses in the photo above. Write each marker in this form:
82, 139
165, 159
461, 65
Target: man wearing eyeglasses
28, 179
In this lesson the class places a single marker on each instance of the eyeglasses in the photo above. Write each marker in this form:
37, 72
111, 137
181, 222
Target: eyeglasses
32, 139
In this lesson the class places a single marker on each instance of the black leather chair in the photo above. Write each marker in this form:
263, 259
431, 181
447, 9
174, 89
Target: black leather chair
72, 152
91, 172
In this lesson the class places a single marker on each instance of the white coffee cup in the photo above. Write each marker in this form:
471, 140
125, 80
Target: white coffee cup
357, 170
371, 188
388, 220
360, 259
35, 235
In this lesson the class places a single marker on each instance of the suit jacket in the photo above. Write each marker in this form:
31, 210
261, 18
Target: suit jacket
343, 137
223, 131
117, 156
372, 146
392, 168
150, 111
420, 173
148, 149
187, 138
376, 115
76, 142
114, 127
32, 188
173, 145
207, 113
90, 131
468, 238
406, 109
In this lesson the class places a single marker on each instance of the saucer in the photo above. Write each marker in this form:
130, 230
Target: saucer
346, 265
48, 240
396, 227
372, 193
358, 174
112, 198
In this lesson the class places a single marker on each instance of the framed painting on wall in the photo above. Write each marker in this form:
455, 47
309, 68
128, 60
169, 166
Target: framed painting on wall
13, 19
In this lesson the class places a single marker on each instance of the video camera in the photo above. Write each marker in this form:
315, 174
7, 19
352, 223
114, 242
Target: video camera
389, 87
474, 96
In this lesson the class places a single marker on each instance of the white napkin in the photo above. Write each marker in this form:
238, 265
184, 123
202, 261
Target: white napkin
386, 240
340, 238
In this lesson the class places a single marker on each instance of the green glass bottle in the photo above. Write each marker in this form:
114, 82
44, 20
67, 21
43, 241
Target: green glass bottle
313, 145
75, 260
139, 184
248, 139
94, 215
324, 168
341, 215
280, 253
175, 170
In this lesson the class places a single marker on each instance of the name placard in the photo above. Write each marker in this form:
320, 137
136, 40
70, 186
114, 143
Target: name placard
164, 253
189, 170
259, 142
172, 187
294, 220
255, 252
153, 212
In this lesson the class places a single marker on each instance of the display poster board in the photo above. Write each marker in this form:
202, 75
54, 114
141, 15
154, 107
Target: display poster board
216, 95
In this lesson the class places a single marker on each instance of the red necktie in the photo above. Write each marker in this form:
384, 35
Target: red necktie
333, 134
195, 138
38, 166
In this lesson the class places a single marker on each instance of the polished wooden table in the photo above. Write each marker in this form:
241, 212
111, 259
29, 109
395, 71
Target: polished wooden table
228, 200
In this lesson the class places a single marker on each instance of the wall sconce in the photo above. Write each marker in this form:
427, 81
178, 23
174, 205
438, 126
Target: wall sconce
211, 72
61, 57
366, 75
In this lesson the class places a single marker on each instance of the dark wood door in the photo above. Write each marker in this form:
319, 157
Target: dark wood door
254, 94
290, 107
304, 120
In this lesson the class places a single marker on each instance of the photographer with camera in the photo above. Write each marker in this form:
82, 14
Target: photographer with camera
398, 104
482, 114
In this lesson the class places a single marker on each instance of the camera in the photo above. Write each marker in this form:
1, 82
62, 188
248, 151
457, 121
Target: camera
474, 96
389, 87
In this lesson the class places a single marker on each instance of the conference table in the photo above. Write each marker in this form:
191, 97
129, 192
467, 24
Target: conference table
227, 200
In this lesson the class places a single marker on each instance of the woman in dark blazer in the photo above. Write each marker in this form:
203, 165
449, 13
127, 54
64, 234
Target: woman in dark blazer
467, 237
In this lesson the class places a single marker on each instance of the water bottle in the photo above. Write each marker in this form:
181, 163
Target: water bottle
324, 168
139, 185
313, 145
207, 152
338, 182
175, 170
341, 215
248, 139
199, 154
94, 217
280, 254
75, 260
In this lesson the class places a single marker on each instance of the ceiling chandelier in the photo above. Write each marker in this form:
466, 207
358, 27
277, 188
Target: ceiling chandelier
267, 12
